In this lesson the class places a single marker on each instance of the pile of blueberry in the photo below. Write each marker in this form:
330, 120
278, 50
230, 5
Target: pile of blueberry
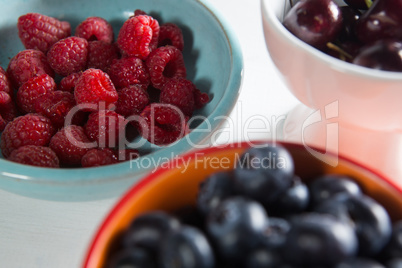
364, 32
263, 215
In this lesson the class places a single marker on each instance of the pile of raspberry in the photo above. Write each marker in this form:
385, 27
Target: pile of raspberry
78, 100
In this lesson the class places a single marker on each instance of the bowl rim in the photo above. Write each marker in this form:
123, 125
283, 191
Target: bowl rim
341, 66
11, 172
152, 177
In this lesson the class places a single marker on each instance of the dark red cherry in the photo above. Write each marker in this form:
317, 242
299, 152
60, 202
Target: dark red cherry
349, 18
383, 20
316, 22
382, 55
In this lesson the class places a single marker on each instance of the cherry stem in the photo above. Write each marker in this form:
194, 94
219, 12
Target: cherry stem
368, 3
342, 52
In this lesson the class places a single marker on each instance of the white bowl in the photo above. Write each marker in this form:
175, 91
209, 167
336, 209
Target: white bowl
364, 97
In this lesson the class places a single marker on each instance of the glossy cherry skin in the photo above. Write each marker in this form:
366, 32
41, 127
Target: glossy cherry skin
383, 20
382, 55
357, 4
316, 22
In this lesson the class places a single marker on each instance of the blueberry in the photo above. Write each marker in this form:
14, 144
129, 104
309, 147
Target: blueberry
186, 247
148, 229
395, 263
262, 258
359, 263
394, 246
329, 185
264, 173
293, 200
234, 227
369, 219
213, 190
132, 257
275, 232
318, 239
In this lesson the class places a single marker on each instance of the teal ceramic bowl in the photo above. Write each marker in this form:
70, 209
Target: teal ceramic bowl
214, 63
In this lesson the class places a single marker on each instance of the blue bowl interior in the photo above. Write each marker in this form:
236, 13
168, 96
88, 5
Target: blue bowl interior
213, 60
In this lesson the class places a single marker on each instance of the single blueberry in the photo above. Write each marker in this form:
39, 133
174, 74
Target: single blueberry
148, 229
294, 200
264, 173
319, 239
132, 257
359, 263
234, 227
369, 219
328, 185
274, 234
213, 190
186, 247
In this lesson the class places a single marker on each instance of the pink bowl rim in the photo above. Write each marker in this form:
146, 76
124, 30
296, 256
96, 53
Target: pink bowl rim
338, 65
151, 177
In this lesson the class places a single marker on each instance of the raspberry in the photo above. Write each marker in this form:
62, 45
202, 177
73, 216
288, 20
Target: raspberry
68, 55
105, 127
70, 144
26, 64
40, 32
138, 12
162, 124
94, 86
95, 28
31, 90
179, 92
68, 82
56, 105
165, 63
132, 100
8, 110
30, 129
99, 157
5, 85
138, 36
128, 71
35, 156
101, 55
200, 99
171, 34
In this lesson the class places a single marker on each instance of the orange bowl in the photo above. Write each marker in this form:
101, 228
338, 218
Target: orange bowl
175, 185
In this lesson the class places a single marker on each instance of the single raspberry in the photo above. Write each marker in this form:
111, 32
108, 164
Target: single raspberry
40, 32
68, 55
101, 55
94, 86
171, 34
132, 100
31, 90
165, 63
200, 99
29, 129
5, 85
68, 82
35, 156
106, 128
70, 144
138, 36
8, 110
99, 157
56, 106
162, 124
179, 92
126, 154
128, 71
26, 64
95, 28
